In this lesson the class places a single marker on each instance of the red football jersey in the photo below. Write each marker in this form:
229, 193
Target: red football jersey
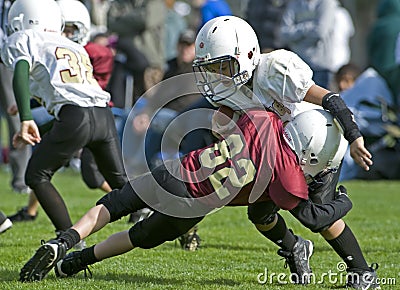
253, 163
102, 60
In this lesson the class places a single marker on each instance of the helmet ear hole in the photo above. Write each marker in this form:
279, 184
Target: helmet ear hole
313, 159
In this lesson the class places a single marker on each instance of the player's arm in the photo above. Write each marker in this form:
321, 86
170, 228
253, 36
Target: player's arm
337, 107
29, 132
318, 217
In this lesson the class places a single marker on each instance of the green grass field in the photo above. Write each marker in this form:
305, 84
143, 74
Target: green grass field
232, 255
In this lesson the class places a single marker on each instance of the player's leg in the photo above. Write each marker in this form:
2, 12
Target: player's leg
68, 134
146, 234
109, 208
340, 237
106, 148
90, 172
270, 223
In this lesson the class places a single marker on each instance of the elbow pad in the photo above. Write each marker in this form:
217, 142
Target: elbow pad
337, 107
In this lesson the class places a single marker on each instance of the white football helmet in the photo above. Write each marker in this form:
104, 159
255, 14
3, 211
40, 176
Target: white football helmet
227, 52
39, 15
76, 14
317, 141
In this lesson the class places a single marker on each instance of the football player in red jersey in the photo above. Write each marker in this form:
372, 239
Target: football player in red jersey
282, 82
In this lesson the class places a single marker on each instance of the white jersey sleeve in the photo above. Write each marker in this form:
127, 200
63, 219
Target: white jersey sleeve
13, 51
60, 70
281, 81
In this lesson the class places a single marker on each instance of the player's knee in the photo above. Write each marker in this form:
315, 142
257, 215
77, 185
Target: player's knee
147, 237
159, 228
107, 201
118, 181
33, 178
261, 213
141, 238
121, 202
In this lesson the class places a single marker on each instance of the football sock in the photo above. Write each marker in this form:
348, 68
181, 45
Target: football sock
281, 235
347, 247
53, 204
70, 237
88, 257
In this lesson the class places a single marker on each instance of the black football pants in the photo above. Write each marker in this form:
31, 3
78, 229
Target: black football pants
75, 128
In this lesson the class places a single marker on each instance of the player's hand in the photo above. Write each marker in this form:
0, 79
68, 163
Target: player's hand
341, 191
28, 134
360, 154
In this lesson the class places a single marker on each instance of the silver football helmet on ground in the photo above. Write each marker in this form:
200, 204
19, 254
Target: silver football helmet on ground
76, 15
39, 15
317, 142
227, 52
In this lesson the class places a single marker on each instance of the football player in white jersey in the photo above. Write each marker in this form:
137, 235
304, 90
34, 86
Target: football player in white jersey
58, 73
228, 58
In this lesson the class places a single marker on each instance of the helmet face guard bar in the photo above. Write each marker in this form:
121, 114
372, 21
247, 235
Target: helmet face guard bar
219, 78
79, 31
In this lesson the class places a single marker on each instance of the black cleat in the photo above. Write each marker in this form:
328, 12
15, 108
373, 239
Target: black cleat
363, 279
191, 240
42, 261
71, 265
22, 216
298, 261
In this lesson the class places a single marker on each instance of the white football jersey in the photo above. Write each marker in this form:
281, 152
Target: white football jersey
60, 70
281, 81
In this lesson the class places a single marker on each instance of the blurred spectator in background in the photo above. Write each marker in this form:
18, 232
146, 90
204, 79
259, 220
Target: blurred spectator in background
344, 30
16, 157
140, 26
346, 75
98, 10
175, 24
371, 102
265, 17
179, 65
308, 30
183, 61
382, 44
210, 9
397, 52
